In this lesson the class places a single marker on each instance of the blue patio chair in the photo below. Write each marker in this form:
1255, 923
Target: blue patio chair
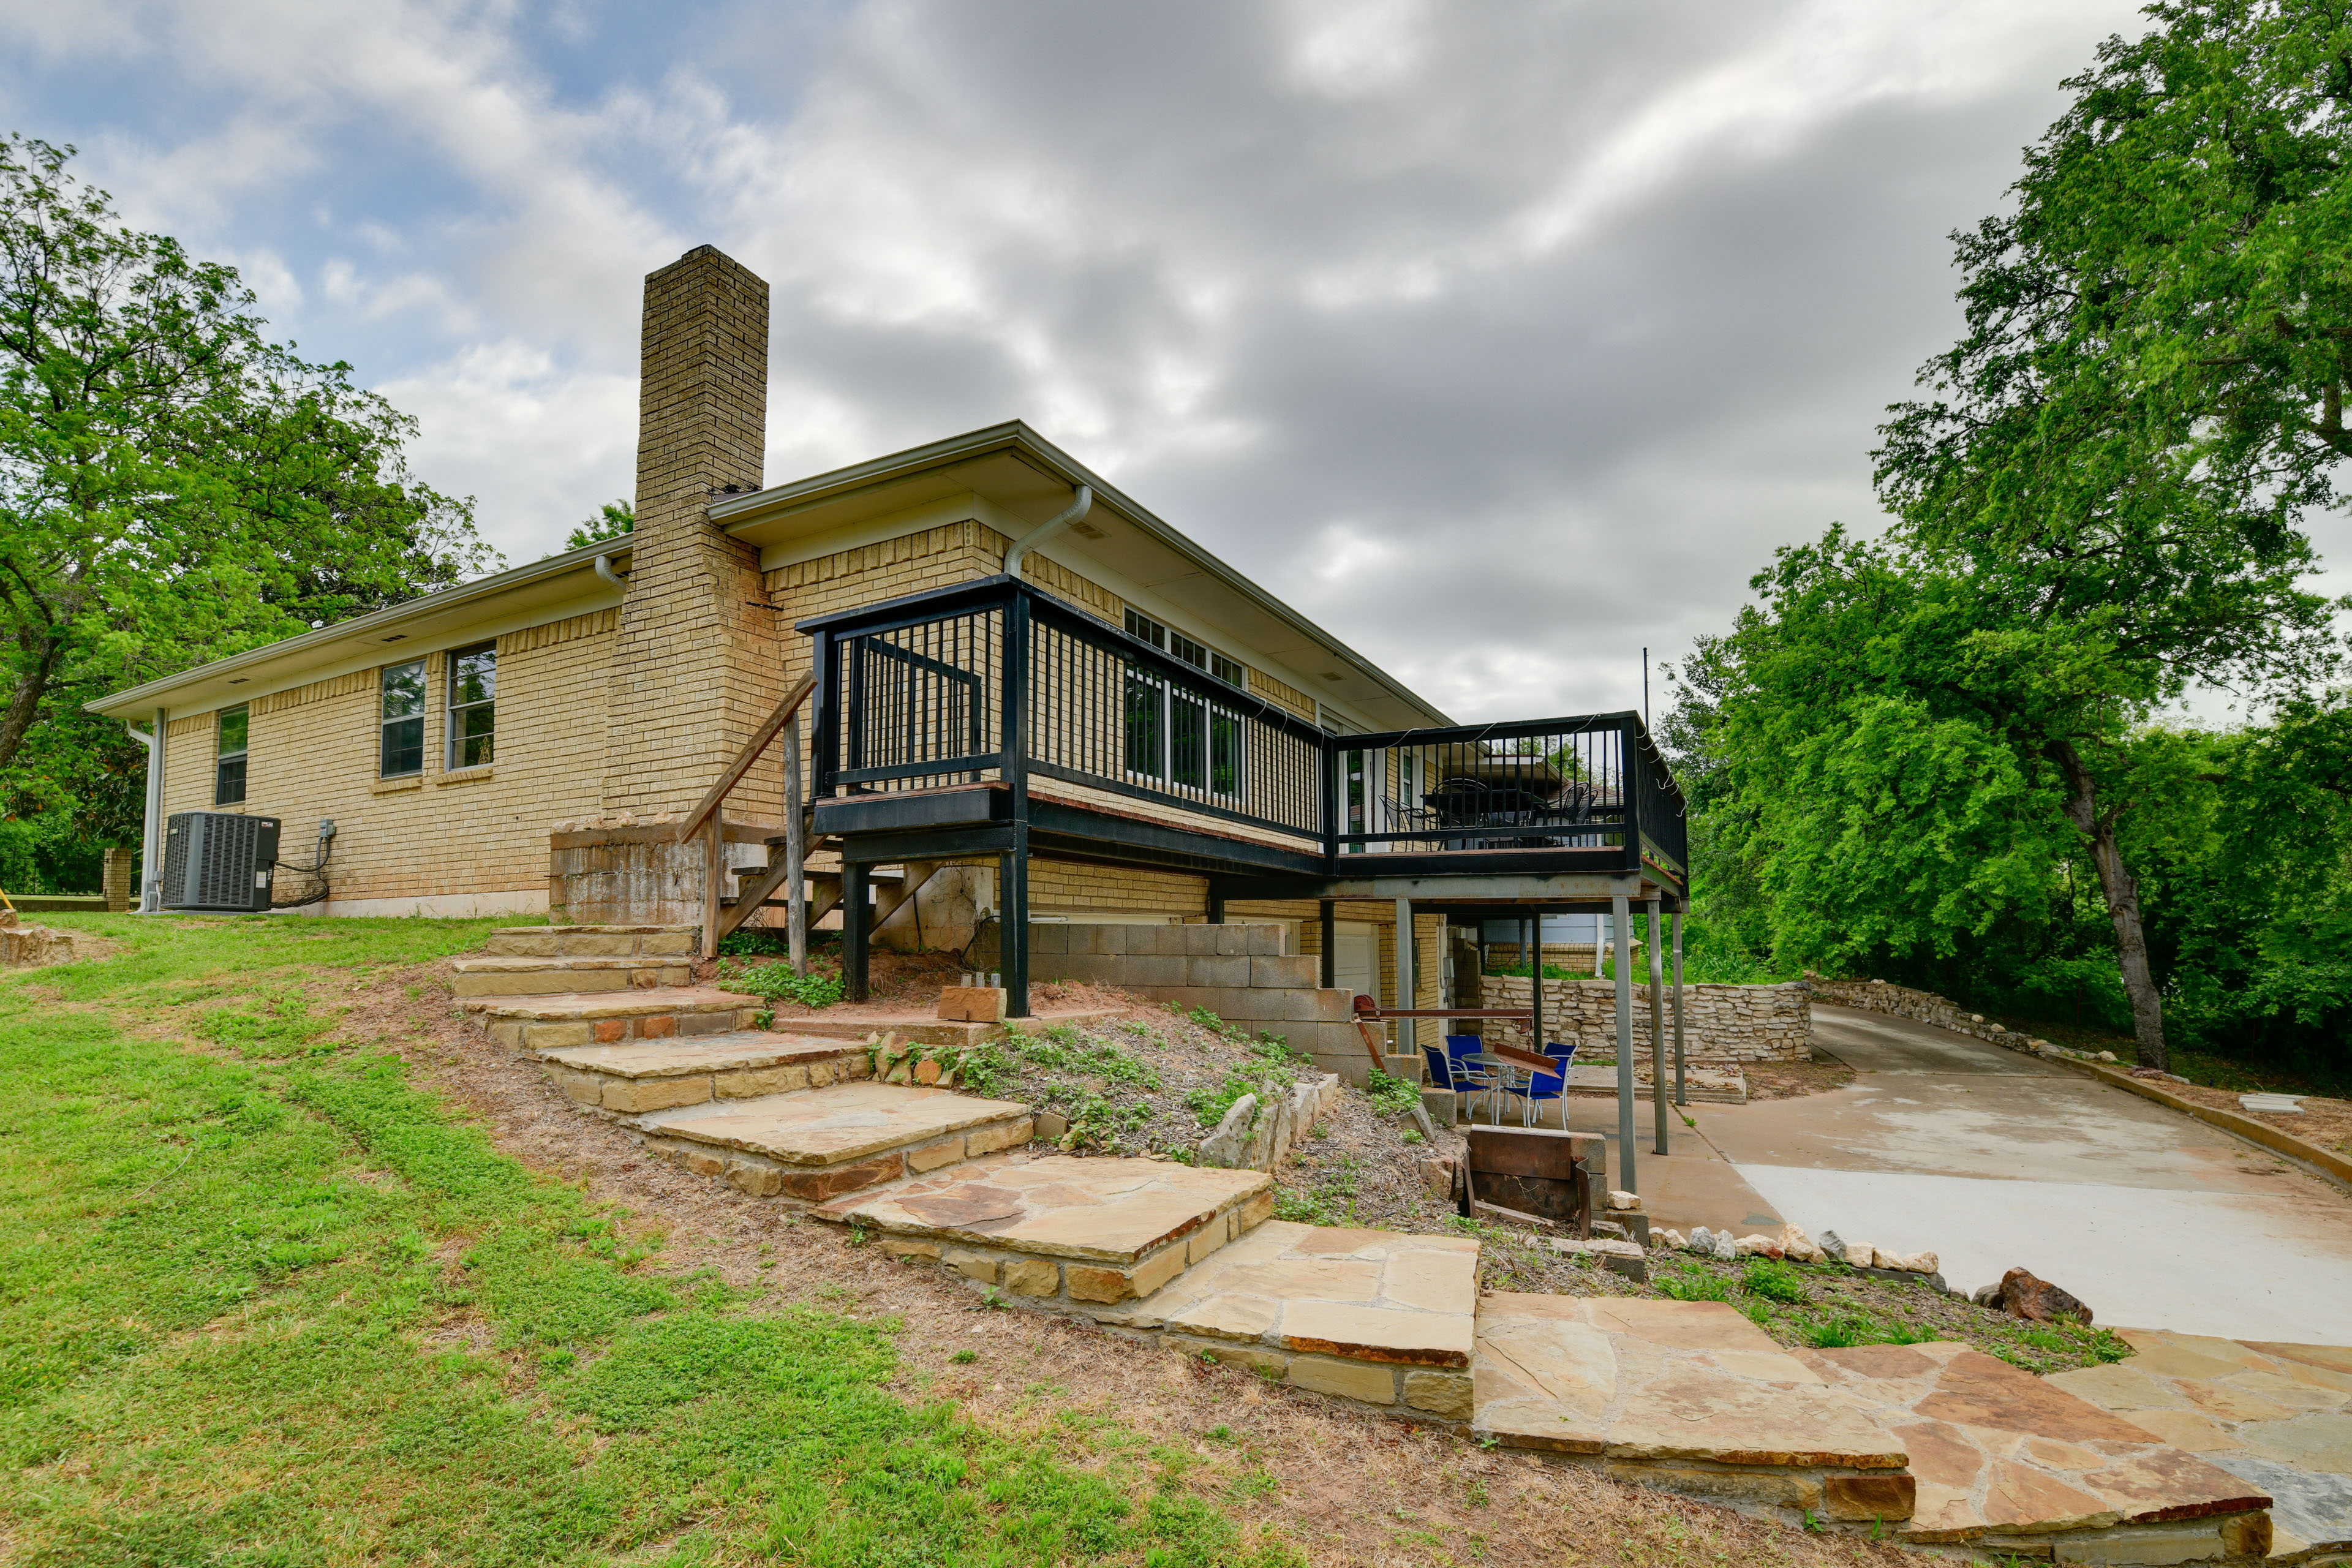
1457, 1073
1540, 1086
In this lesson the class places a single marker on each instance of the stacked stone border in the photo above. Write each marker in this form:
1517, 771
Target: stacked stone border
1720, 1023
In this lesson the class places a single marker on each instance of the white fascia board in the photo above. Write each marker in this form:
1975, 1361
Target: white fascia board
358, 644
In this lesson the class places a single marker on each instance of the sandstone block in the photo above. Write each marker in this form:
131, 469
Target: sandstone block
1049, 1126
1764, 1488
971, 1264
1004, 1135
1256, 1358
1252, 1212
902, 1248
1088, 1283
815, 1186
508, 1034
666, 941
1159, 1268
1890, 1496
655, 1093
971, 1004
1445, 1394
657, 1028
936, 1155
761, 1181
1204, 1241
759, 1080
607, 1030
581, 1087
595, 946
1347, 1379
556, 1037
501, 945
702, 1163
1032, 1277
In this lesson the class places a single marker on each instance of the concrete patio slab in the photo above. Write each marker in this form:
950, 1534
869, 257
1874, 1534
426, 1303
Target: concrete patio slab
2278, 1416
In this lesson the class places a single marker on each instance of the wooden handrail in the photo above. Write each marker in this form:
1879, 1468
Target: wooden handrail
746, 757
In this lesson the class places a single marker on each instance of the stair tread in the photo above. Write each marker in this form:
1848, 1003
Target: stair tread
1111, 1210
517, 964
830, 1126
1383, 1296
589, 930
566, 1005
683, 1056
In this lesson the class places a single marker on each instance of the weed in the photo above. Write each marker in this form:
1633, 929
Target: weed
965, 1357
773, 983
1772, 1280
1694, 1285
1391, 1096
1475, 1494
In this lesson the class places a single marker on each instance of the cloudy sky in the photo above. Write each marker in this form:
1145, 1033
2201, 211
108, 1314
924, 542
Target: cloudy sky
1501, 338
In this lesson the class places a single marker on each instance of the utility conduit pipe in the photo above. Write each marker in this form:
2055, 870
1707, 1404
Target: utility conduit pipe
1054, 524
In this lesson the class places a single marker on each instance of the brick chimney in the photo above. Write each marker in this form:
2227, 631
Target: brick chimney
694, 668
694, 663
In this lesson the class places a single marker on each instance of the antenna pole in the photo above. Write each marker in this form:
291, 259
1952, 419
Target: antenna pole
1645, 689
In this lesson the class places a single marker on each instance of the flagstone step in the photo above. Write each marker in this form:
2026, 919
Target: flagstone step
589, 941
638, 1075
924, 1028
1377, 1317
514, 976
1063, 1231
1931, 1445
563, 1019
815, 1144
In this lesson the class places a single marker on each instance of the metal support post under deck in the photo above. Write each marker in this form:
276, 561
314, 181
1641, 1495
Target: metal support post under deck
853, 929
1622, 926
1536, 995
796, 853
1407, 1040
1681, 1097
1013, 867
1330, 943
1216, 905
1657, 1029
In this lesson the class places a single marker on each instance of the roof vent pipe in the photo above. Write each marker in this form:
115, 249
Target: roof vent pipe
605, 569
1076, 510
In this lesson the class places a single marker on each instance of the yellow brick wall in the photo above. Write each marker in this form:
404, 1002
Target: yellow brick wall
312, 752
1061, 887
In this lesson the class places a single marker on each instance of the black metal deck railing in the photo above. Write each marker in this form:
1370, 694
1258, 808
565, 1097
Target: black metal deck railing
911, 696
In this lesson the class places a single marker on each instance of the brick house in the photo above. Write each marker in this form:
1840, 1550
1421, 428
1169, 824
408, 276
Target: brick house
597, 735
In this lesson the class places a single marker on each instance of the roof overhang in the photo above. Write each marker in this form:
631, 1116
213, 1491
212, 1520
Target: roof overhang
376, 639
1026, 477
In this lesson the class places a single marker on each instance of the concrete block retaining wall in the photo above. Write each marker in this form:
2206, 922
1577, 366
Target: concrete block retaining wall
1741, 1023
1237, 971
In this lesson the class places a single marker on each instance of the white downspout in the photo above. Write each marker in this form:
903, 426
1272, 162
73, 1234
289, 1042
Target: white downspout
605, 569
150, 828
1076, 510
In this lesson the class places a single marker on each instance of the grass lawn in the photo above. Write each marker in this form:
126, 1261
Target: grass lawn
269, 1296
232, 1275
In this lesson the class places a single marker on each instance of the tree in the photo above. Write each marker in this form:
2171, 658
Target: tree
613, 519
173, 486
2116, 458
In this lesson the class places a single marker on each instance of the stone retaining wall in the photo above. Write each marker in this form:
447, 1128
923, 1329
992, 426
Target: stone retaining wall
1237, 971
1740, 1023
1920, 1006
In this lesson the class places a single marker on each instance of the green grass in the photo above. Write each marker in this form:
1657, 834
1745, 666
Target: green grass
265, 1304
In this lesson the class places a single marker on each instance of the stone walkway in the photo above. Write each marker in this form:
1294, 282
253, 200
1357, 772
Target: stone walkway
2278, 1416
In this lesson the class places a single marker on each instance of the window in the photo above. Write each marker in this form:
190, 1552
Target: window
228, 765
1177, 736
402, 719
473, 684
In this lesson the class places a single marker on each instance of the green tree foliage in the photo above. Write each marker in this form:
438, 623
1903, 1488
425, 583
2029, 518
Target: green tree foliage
2100, 504
173, 486
613, 519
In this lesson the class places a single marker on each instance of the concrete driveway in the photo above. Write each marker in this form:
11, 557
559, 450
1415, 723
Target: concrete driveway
1994, 1159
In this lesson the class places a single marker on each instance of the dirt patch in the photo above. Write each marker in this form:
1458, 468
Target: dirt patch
1793, 1080
1349, 1487
2324, 1122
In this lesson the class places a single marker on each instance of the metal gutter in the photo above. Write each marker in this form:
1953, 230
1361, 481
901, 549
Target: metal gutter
1017, 436
154, 693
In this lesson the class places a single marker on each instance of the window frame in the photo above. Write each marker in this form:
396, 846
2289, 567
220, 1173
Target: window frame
456, 714
423, 666
223, 761
1168, 721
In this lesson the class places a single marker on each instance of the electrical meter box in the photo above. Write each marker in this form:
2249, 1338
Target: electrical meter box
218, 860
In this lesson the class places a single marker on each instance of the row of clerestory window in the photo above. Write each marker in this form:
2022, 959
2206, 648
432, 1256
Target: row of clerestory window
470, 736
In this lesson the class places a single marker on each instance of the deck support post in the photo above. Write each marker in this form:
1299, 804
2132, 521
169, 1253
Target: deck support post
714, 872
854, 912
1535, 992
1330, 911
1407, 1040
1216, 904
1681, 1096
1621, 926
1013, 867
1657, 1029
796, 853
